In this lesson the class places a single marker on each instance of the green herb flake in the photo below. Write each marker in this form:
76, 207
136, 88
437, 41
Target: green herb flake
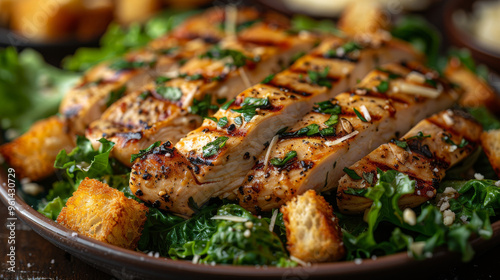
332, 121
352, 174
162, 80
222, 122
401, 144
122, 64
227, 104
249, 107
281, 162
356, 191
115, 95
144, 152
383, 86
144, 94
169, 93
368, 177
319, 78
326, 107
327, 131
216, 52
221, 100
431, 82
268, 79
420, 136
463, 143
360, 116
213, 147
203, 106
238, 121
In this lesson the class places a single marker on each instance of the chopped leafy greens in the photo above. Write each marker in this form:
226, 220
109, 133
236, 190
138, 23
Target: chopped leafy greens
169, 93
250, 105
282, 162
213, 147
352, 174
115, 95
237, 58
319, 78
203, 107
145, 151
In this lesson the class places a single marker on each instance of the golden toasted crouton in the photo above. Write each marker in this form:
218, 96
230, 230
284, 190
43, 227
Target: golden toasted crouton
33, 154
312, 230
490, 140
477, 91
103, 213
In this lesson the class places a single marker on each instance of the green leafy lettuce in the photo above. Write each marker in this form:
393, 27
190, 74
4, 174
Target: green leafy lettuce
30, 89
475, 203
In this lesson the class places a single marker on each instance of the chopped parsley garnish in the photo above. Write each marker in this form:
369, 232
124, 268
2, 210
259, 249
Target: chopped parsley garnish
383, 87
332, 121
325, 107
122, 64
144, 94
312, 129
350, 47
161, 80
222, 122
355, 191
268, 79
169, 93
447, 138
420, 136
368, 177
191, 77
202, 107
115, 95
238, 121
327, 131
221, 100
213, 147
249, 107
296, 57
360, 116
401, 144
145, 151
352, 174
431, 82
182, 61
238, 58
281, 162
391, 74
281, 131
319, 78
227, 104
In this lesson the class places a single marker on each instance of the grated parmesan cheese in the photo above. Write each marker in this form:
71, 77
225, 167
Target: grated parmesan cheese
417, 90
341, 139
479, 176
415, 77
268, 153
230, 218
448, 120
497, 183
196, 258
273, 220
365, 113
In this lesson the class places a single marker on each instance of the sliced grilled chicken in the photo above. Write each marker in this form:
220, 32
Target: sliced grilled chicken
312, 154
424, 154
213, 159
137, 121
99, 86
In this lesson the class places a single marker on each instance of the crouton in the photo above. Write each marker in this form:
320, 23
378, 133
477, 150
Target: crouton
312, 230
490, 140
477, 92
103, 213
32, 154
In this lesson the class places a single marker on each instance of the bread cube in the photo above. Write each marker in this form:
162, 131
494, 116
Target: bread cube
490, 140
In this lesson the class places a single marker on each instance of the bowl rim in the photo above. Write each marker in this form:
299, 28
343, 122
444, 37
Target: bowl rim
99, 253
465, 38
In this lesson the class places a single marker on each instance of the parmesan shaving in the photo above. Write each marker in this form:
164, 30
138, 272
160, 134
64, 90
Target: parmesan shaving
273, 220
299, 261
244, 77
231, 19
341, 139
415, 77
417, 90
230, 218
189, 97
447, 119
268, 153
196, 258
365, 113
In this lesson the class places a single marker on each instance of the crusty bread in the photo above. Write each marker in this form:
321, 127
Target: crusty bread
312, 230
103, 213
477, 91
32, 154
490, 140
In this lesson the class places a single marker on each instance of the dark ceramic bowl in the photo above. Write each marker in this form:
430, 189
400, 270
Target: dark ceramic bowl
463, 38
127, 264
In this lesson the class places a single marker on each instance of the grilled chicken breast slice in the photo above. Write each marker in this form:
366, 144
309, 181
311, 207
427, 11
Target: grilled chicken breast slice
136, 121
87, 101
424, 154
312, 154
213, 160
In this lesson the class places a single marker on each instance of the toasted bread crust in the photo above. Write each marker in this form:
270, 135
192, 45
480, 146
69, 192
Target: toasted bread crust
490, 140
312, 230
32, 154
477, 91
103, 213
